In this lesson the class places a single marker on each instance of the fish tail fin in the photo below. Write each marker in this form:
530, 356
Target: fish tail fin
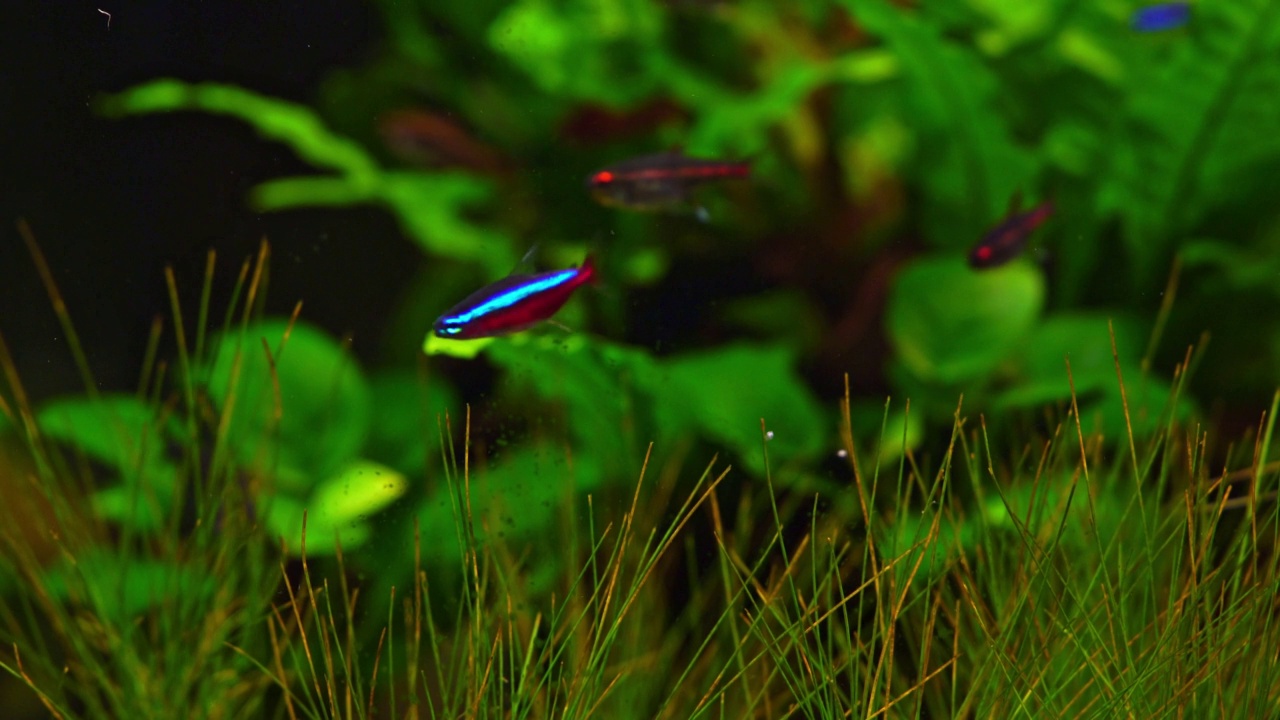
1044, 211
587, 270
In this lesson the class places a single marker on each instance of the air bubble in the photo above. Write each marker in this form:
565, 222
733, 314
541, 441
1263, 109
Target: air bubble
842, 453
768, 435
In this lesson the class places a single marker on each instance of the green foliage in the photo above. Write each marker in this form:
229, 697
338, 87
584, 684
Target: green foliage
433, 207
966, 157
128, 436
296, 400
122, 588
951, 325
1074, 561
1193, 118
581, 49
337, 511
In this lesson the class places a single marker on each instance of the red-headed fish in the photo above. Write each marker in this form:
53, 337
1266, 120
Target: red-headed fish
1006, 240
514, 303
659, 182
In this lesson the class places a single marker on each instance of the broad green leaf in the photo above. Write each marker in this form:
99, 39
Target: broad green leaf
404, 433
432, 206
119, 430
515, 501
287, 518
464, 349
132, 506
782, 315
361, 488
951, 324
1084, 339
1150, 400
728, 391
119, 588
338, 511
592, 381
318, 421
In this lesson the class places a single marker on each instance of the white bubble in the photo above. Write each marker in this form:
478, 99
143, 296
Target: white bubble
768, 435
842, 453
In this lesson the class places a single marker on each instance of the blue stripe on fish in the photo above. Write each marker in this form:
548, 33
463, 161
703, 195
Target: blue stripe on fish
1165, 16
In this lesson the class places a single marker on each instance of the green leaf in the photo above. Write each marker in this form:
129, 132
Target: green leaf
591, 381
405, 434
118, 430
728, 391
323, 402
1150, 401
515, 501
432, 206
582, 49
464, 349
338, 510
131, 506
119, 588
1083, 338
950, 324
294, 125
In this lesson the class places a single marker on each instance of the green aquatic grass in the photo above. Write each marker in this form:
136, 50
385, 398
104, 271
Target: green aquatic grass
1068, 575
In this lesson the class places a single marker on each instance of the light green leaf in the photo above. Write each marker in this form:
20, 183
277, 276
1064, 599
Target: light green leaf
323, 401
951, 324
728, 391
464, 349
359, 489
119, 588
119, 430
338, 511
294, 125
1085, 340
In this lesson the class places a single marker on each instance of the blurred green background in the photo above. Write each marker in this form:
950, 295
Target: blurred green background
398, 155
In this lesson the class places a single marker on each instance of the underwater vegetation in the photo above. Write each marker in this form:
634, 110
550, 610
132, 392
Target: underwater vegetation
791, 409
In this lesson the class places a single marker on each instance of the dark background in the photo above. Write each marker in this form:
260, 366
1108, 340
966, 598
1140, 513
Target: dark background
112, 202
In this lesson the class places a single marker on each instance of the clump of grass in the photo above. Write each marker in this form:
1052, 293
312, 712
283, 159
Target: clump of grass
1076, 575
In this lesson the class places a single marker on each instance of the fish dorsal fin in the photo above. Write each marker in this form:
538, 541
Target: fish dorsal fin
525, 265
1015, 203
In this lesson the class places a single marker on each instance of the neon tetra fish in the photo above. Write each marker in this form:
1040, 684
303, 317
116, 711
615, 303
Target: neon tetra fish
659, 182
1006, 240
514, 303
1164, 16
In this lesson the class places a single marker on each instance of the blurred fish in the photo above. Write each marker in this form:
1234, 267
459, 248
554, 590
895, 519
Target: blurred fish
1164, 16
514, 303
659, 182
1006, 240
430, 139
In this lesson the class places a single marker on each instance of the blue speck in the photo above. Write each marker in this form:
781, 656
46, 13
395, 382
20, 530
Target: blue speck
1165, 16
